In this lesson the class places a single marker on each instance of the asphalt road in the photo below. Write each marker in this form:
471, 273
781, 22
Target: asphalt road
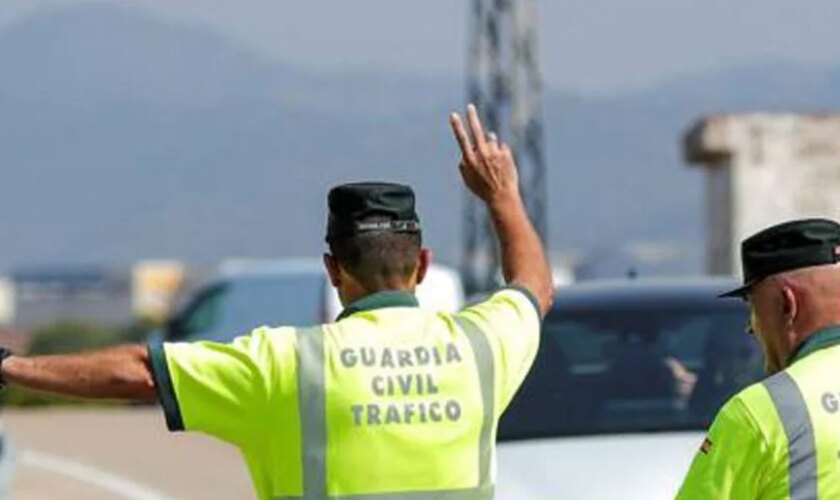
121, 453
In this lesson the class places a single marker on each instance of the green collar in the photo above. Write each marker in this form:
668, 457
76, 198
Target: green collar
826, 337
380, 300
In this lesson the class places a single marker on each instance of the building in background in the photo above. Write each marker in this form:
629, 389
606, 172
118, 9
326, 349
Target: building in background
105, 295
44, 295
762, 169
155, 287
7, 302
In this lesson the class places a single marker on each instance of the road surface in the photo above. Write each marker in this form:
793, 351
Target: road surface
117, 453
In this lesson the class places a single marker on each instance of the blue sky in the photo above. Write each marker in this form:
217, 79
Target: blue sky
593, 46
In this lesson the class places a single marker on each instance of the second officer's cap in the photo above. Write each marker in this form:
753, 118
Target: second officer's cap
785, 247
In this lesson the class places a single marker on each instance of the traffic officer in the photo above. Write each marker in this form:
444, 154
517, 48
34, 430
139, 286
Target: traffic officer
389, 401
780, 438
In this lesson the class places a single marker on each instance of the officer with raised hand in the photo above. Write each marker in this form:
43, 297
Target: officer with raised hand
391, 400
780, 438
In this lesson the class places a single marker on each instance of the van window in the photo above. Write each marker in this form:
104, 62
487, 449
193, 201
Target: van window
292, 300
201, 315
226, 311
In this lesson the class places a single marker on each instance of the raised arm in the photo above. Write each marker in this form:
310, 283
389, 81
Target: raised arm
489, 171
117, 373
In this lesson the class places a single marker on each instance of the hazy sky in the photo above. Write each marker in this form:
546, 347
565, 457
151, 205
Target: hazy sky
586, 45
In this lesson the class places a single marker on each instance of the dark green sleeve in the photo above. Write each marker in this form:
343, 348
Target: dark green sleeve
165, 389
529, 294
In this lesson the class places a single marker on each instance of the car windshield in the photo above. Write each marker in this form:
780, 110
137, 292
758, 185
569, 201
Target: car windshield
627, 371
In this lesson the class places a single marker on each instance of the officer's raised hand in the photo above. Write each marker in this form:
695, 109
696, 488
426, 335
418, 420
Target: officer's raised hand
489, 171
487, 164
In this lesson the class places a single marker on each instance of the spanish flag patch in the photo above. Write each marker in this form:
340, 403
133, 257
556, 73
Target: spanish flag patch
706, 447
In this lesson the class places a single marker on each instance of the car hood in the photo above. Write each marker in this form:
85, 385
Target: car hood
649, 466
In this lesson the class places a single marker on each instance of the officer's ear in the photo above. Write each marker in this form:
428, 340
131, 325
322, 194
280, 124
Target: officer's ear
790, 306
333, 269
424, 260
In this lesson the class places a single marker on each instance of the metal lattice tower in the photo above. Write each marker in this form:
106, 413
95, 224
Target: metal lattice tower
505, 84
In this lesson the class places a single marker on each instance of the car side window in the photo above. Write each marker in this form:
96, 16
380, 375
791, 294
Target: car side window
632, 371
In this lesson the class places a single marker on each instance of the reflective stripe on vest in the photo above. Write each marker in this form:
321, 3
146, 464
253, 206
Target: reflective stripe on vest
313, 410
802, 453
486, 376
312, 406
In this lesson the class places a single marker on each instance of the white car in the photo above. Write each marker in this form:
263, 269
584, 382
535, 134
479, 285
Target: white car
629, 376
291, 292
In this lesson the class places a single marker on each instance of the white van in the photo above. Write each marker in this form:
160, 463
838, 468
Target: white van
294, 292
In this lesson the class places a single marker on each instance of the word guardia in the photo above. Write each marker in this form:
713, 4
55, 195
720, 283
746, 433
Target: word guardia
400, 358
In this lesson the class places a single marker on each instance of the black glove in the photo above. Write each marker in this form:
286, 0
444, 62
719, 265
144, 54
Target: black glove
4, 353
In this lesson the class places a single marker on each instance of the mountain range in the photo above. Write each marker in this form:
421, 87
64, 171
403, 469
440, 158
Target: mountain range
124, 136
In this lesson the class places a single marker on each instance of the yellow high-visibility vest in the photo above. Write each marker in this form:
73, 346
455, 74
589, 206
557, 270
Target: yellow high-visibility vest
391, 399
779, 438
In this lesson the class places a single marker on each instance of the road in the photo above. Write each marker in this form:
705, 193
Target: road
119, 453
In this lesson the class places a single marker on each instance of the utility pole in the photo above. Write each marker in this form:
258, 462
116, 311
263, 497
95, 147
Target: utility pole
505, 84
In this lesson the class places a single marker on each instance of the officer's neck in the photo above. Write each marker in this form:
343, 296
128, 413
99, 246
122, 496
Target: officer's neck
807, 326
352, 292
814, 301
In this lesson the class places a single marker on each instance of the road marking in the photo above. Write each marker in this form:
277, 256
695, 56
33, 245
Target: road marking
90, 474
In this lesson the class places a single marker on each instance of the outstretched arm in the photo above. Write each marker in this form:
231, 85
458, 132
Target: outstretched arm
489, 171
117, 373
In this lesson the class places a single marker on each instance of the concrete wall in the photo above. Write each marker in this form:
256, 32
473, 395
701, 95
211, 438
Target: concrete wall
763, 169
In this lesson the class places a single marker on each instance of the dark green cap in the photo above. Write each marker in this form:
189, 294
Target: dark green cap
784, 247
371, 206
